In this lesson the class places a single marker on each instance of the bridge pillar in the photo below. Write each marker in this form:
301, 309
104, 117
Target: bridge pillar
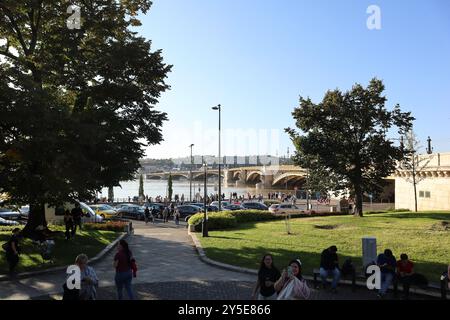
242, 182
227, 177
266, 182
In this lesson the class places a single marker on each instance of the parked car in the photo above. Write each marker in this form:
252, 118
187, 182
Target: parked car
88, 214
9, 214
223, 203
285, 209
209, 208
4, 222
24, 211
233, 207
254, 206
132, 212
186, 211
104, 210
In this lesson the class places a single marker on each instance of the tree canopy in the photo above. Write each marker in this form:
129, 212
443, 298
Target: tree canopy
77, 105
343, 139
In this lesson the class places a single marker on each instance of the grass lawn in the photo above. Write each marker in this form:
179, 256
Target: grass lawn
420, 235
89, 242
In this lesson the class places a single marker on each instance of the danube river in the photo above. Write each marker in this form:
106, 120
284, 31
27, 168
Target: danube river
154, 188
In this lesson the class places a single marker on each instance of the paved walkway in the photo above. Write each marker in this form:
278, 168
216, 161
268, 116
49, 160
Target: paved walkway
169, 268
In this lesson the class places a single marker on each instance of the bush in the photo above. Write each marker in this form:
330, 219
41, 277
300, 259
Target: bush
118, 226
216, 221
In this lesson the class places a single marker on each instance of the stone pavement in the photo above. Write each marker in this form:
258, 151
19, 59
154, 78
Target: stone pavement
168, 268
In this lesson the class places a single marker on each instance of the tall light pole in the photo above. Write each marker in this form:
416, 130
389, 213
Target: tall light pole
190, 175
219, 107
205, 214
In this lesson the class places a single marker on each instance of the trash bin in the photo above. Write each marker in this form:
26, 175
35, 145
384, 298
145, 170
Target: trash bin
369, 250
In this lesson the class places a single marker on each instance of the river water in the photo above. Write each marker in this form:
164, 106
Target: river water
154, 188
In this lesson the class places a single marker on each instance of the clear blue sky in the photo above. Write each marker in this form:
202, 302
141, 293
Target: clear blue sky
256, 57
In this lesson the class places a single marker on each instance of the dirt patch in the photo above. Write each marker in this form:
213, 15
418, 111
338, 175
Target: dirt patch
441, 226
326, 227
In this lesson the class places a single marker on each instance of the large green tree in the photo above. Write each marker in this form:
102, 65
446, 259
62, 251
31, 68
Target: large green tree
343, 140
77, 105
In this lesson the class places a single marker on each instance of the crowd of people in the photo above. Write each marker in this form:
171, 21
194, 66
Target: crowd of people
290, 284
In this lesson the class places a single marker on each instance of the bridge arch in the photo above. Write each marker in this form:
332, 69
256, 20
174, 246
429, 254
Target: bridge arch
288, 177
254, 175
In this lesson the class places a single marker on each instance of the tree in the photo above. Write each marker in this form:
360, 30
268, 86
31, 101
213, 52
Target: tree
141, 187
413, 163
169, 187
77, 105
344, 144
111, 194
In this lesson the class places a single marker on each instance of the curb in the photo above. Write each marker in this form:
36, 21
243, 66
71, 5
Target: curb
96, 259
225, 266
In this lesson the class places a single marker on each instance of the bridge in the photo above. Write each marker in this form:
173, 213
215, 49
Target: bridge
259, 176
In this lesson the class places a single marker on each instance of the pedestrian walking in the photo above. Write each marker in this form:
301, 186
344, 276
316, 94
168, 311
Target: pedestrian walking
68, 222
147, 214
77, 213
165, 214
12, 251
177, 217
123, 263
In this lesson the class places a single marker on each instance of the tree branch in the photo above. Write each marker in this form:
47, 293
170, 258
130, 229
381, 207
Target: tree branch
15, 28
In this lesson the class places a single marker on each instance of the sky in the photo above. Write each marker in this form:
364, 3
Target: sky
257, 57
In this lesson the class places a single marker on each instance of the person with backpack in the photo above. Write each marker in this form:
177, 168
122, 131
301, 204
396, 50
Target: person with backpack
125, 266
12, 251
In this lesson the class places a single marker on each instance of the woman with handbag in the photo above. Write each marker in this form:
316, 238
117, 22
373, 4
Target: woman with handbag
123, 264
291, 285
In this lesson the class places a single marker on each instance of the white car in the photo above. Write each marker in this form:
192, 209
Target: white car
89, 215
286, 208
24, 211
4, 222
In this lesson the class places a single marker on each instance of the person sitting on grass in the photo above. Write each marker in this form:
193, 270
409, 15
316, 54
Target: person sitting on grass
329, 266
291, 285
405, 271
387, 263
268, 274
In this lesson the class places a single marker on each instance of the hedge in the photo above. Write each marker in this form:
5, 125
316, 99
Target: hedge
230, 219
118, 226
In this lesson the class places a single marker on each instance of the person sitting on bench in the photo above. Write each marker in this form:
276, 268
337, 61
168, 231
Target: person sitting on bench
387, 263
329, 266
405, 271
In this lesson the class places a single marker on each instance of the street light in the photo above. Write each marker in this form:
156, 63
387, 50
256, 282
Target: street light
205, 215
219, 108
190, 176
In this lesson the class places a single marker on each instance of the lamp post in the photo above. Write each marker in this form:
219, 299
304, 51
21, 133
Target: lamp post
219, 108
205, 214
190, 176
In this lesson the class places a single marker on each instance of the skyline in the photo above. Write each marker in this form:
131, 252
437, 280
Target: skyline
256, 58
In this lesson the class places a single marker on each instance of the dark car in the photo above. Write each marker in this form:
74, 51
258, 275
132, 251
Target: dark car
255, 206
9, 214
233, 207
186, 211
132, 212
202, 207
156, 209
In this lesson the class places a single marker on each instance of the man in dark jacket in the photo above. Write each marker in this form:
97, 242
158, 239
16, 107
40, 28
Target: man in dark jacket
329, 267
12, 251
77, 213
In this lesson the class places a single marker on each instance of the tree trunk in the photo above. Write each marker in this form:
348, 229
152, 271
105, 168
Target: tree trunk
36, 218
358, 201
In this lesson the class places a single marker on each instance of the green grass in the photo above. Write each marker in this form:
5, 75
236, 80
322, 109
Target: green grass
90, 242
417, 234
